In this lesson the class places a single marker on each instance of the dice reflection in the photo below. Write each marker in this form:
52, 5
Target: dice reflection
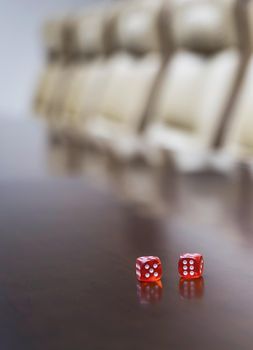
191, 289
149, 292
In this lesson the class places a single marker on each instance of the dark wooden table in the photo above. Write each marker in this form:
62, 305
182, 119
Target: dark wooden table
67, 259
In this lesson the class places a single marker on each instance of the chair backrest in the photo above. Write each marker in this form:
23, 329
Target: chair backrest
239, 138
82, 42
128, 89
204, 26
201, 74
249, 10
89, 83
52, 36
46, 88
137, 54
90, 30
239, 135
179, 90
137, 27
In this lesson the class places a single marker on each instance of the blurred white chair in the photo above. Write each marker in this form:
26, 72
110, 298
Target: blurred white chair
53, 32
86, 95
124, 99
92, 71
203, 25
138, 60
196, 87
52, 36
45, 91
136, 27
82, 56
191, 101
238, 143
90, 31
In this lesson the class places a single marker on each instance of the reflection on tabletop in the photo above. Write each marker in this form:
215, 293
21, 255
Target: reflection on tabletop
191, 289
149, 293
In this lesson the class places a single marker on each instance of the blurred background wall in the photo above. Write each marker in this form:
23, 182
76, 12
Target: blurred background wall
21, 53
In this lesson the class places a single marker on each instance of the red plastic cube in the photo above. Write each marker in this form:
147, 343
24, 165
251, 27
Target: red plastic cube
190, 265
148, 268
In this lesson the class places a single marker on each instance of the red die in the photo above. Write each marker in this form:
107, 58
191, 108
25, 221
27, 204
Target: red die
190, 265
148, 268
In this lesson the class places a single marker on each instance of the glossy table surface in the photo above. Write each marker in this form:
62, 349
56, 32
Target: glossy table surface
68, 250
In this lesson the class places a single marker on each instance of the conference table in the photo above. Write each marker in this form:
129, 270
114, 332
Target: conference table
68, 246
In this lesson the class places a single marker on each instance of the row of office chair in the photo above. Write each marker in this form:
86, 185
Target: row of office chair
146, 77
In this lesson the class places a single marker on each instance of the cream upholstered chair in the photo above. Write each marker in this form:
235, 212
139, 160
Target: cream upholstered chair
77, 88
53, 44
136, 39
125, 97
204, 25
238, 142
192, 97
86, 94
60, 46
89, 74
136, 27
46, 87
90, 28
71, 42
199, 78
52, 35
60, 43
